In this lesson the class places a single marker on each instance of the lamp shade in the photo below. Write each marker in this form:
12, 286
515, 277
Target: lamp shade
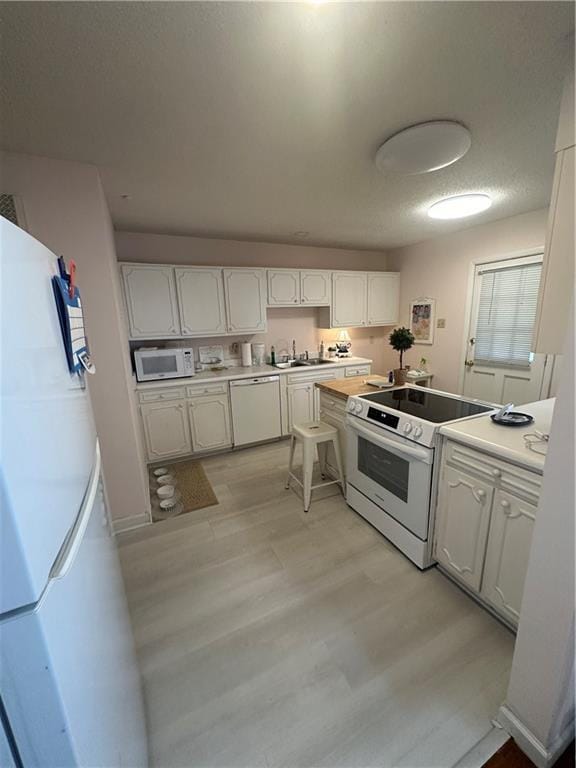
343, 336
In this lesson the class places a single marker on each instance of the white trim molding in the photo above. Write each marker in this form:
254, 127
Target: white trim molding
541, 756
129, 523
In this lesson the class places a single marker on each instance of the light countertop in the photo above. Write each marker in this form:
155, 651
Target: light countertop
239, 372
506, 442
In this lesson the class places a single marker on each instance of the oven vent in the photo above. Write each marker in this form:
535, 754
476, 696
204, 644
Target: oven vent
11, 209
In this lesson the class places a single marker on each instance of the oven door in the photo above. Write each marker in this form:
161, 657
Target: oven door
394, 473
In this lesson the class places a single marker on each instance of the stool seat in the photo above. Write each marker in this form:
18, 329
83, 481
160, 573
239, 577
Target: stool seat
314, 435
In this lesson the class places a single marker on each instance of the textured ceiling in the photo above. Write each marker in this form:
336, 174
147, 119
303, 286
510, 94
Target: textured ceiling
259, 120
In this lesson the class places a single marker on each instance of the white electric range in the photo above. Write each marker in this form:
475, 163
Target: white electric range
391, 478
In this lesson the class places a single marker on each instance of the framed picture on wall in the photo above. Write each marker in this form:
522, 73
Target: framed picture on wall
422, 320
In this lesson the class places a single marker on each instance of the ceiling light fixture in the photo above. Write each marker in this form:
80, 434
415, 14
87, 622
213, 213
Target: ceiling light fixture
459, 206
424, 148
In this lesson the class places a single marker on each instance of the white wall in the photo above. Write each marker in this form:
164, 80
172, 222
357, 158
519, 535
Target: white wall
284, 324
539, 707
440, 269
65, 209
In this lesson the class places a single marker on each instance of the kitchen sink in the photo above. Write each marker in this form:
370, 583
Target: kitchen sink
311, 362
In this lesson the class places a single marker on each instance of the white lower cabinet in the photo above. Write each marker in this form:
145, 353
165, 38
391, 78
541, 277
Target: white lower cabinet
166, 430
507, 553
463, 518
210, 422
483, 530
300, 403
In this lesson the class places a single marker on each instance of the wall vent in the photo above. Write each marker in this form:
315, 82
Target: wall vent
11, 209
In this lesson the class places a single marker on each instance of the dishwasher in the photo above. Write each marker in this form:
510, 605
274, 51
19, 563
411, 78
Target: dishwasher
255, 409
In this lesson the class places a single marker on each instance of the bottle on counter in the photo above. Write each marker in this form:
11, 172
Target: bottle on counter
272, 355
321, 351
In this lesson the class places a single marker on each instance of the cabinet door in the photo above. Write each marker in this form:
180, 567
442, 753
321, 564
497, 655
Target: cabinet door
283, 287
300, 404
315, 288
348, 299
150, 301
201, 299
463, 515
383, 298
245, 292
166, 430
210, 423
507, 553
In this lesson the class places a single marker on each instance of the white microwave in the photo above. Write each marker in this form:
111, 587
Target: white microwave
157, 364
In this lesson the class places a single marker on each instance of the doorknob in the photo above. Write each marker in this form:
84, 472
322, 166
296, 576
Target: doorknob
469, 363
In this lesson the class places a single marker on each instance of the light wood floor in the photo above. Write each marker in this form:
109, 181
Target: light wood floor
268, 637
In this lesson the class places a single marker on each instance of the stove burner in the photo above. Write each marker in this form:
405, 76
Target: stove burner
427, 405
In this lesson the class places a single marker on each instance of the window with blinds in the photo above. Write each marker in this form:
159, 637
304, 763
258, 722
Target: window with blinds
506, 314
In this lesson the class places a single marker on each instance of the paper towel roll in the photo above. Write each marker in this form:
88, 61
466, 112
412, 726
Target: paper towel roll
246, 353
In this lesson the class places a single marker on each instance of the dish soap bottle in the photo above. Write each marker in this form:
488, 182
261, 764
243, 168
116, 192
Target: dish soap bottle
272, 355
321, 351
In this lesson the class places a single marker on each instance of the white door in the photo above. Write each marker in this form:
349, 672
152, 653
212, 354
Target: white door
463, 516
283, 287
210, 423
499, 366
300, 404
348, 299
166, 430
245, 292
507, 553
201, 298
150, 301
383, 298
315, 288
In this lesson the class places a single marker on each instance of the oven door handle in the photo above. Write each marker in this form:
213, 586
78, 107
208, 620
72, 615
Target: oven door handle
421, 454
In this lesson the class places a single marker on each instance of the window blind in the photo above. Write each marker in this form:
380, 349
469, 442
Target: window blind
506, 315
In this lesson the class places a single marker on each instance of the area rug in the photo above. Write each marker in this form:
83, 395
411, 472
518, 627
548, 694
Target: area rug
193, 489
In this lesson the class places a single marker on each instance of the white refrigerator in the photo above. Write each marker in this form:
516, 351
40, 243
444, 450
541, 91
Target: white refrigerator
70, 692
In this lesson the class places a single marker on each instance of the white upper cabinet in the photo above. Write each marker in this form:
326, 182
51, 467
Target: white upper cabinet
201, 298
507, 553
245, 292
151, 301
348, 299
315, 287
383, 298
283, 287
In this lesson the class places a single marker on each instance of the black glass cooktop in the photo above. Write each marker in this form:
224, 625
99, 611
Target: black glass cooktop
426, 405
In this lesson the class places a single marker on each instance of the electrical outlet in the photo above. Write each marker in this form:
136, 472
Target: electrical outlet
441, 322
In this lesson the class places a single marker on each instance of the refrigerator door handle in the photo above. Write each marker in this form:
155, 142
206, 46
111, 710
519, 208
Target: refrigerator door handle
66, 556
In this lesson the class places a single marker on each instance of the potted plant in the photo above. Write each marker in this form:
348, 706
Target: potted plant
401, 339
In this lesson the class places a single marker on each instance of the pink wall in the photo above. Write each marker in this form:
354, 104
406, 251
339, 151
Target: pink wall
65, 209
441, 268
284, 324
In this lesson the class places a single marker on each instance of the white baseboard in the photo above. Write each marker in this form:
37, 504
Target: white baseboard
541, 756
128, 523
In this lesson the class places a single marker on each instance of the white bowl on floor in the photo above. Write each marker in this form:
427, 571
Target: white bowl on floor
165, 480
165, 491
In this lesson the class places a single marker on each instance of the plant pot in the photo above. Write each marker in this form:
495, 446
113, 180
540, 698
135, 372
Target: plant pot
399, 376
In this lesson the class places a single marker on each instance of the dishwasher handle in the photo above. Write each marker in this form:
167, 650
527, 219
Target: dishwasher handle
251, 382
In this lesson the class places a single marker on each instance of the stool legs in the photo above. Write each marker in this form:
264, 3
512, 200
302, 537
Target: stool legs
336, 444
290, 461
322, 451
307, 467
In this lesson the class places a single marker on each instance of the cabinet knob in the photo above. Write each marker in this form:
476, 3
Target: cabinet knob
481, 494
505, 504
496, 473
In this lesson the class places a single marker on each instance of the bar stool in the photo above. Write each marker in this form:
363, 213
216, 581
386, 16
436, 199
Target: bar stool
314, 434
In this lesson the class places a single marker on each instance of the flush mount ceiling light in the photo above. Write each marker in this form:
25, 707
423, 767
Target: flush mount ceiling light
424, 148
459, 206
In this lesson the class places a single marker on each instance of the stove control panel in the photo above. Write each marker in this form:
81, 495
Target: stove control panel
411, 429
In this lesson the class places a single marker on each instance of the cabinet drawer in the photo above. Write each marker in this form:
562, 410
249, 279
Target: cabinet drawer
331, 404
200, 390
299, 378
360, 370
157, 395
502, 474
